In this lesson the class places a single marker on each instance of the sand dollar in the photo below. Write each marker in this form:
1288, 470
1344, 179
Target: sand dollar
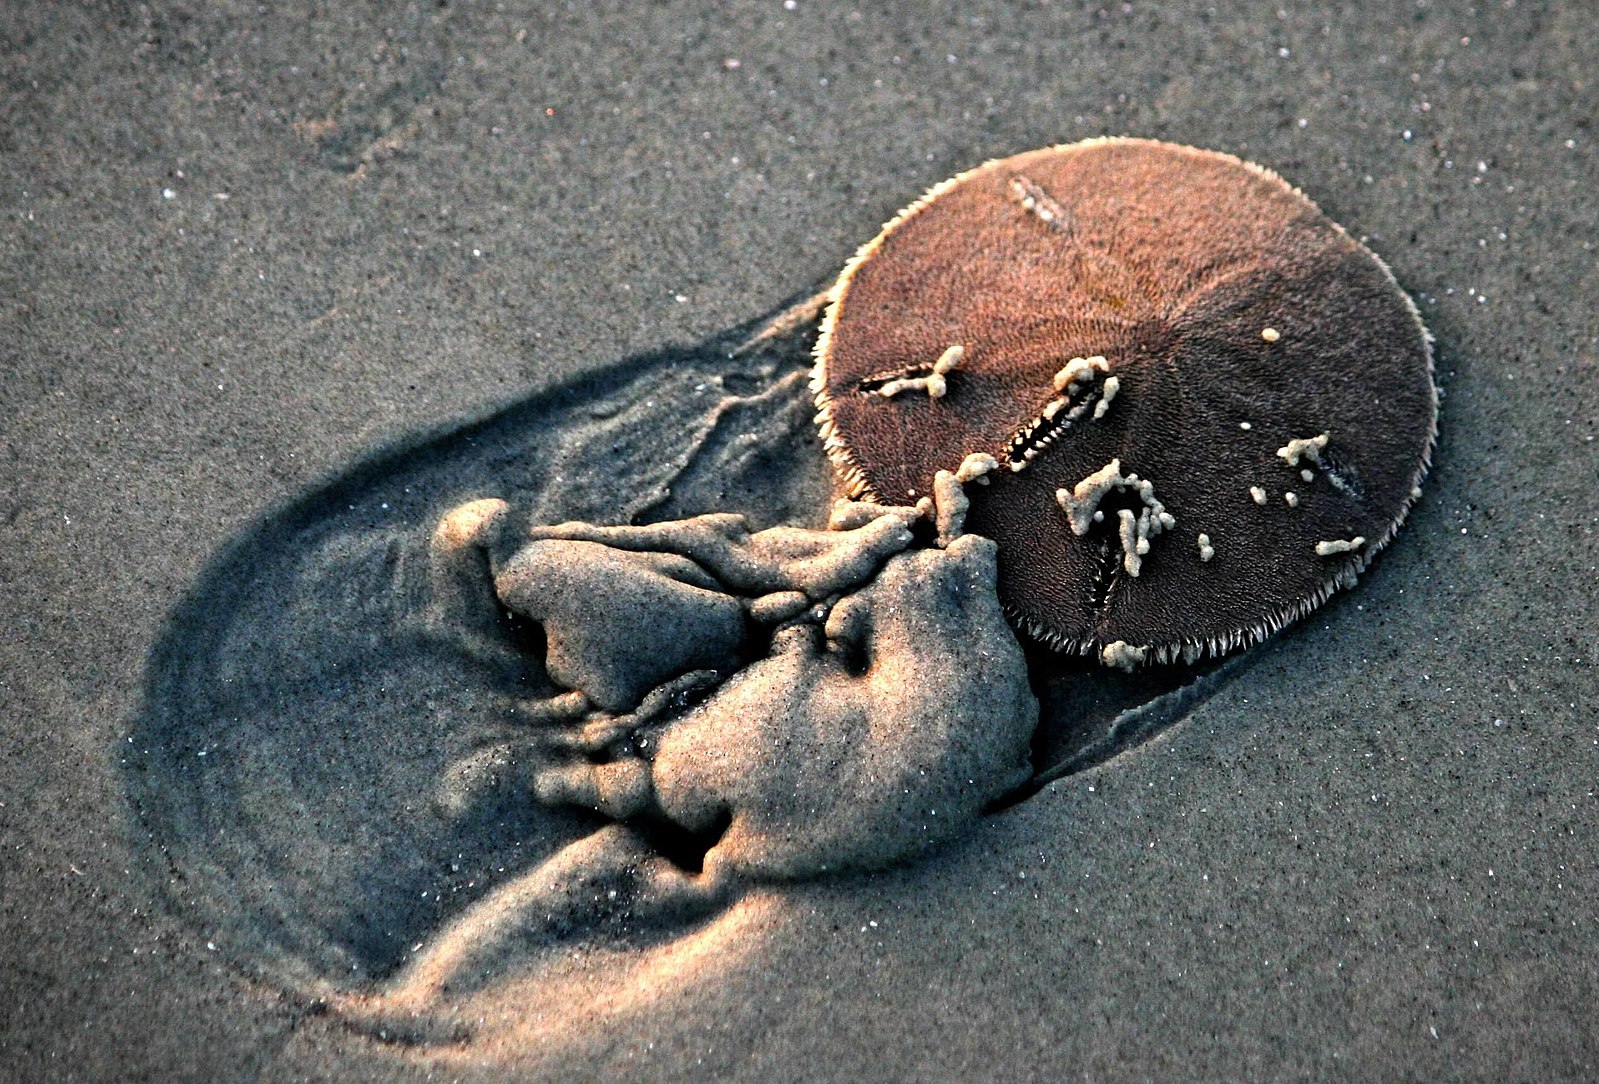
1210, 405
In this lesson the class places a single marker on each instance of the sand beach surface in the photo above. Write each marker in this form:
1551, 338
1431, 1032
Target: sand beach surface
280, 285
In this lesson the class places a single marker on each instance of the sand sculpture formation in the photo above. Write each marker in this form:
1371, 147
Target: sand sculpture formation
1146, 401
798, 701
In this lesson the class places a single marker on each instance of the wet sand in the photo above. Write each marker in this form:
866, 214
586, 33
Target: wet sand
242, 252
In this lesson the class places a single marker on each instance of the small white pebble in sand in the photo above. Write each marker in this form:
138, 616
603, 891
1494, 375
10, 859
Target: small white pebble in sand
1206, 550
1257, 494
1269, 334
1292, 498
1337, 546
1308, 475
1245, 426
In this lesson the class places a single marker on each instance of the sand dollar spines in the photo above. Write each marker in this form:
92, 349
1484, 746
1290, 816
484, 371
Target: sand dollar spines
1156, 343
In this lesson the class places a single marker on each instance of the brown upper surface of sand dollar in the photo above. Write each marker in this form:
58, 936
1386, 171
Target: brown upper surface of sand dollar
1210, 405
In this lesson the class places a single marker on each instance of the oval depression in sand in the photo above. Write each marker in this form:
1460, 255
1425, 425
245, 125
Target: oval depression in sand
1210, 405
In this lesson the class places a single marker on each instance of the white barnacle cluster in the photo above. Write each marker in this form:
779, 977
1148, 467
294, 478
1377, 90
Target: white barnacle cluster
935, 383
1037, 202
949, 505
1107, 392
1122, 655
1333, 547
1067, 407
1078, 372
1135, 530
975, 468
1304, 448
1298, 449
1312, 449
1301, 452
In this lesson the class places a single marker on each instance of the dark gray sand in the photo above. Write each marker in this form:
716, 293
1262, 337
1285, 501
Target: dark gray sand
245, 251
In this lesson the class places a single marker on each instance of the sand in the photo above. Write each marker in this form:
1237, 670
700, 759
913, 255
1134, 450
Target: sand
1363, 850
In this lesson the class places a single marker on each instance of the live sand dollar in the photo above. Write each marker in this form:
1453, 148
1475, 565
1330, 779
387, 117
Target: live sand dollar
600, 668
1209, 405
